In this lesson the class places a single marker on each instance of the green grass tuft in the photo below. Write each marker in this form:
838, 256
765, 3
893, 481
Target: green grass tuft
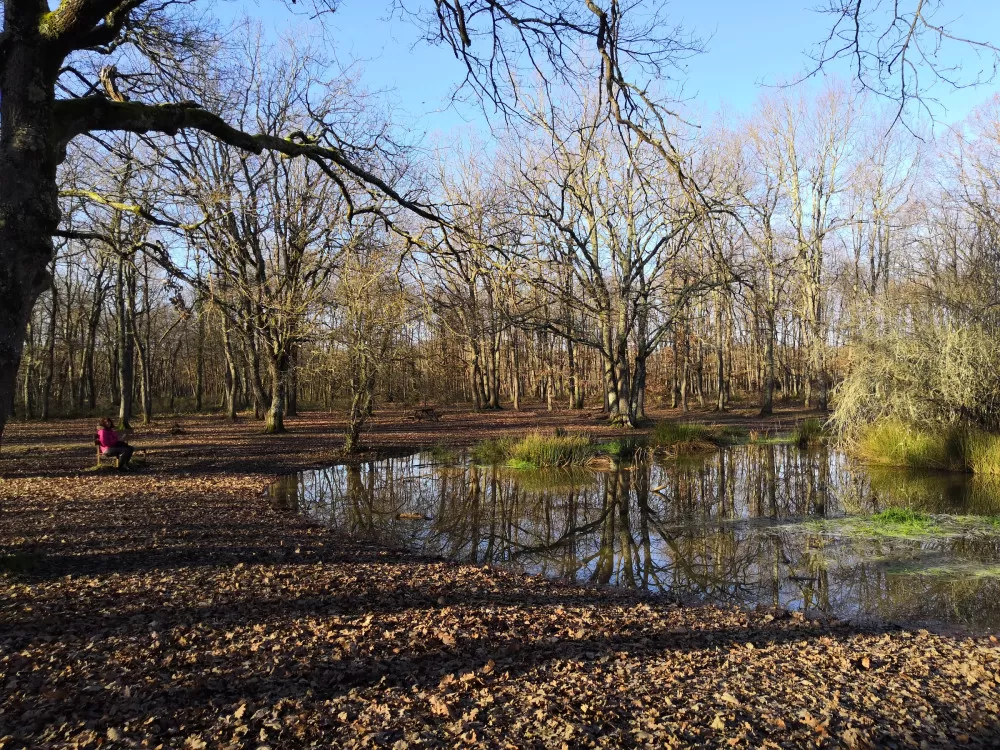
902, 521
493, 451
684, 437
808, 432
947, 448
900, 515
538, 450
624, 448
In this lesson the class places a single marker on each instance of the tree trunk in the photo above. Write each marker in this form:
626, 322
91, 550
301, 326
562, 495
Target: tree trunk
274, 420
292, 395
199, 363
637, 406
87, 379
145, 380
29, 205
493, 372
575, 387
50, 356
683, 377
232, 371
144, 348
675, 385
27, 392
720, 359
515, 374
362, 403
700, 375
256, 384
823, 395
126, 346
145, 385
767, 405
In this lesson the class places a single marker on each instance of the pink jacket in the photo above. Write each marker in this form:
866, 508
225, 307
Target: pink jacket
106, 437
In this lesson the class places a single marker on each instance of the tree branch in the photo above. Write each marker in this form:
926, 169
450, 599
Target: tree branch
79, 116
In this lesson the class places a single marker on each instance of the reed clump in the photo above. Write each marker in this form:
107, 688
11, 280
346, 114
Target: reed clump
892, 442
809, 432
982, 451
685, 437
536, 450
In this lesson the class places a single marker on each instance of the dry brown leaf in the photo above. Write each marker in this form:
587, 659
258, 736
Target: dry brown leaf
439, 707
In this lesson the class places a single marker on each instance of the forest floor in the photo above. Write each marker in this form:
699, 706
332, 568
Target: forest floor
204, 443
175, 607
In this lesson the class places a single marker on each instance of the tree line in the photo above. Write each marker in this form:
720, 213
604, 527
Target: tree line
575, 270
205, 222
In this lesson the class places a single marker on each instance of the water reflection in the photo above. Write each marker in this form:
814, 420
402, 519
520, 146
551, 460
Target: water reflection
728, 528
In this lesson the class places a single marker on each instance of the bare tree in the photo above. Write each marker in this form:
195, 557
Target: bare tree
900, 49
614, 217
373, 305
112, 65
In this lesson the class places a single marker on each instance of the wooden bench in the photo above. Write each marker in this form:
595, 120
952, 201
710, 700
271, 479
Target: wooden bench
102, 457
425, 414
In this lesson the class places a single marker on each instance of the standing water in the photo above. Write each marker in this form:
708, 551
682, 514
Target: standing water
754, 525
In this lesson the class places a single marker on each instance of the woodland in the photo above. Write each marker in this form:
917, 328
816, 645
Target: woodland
215, 234
603, 252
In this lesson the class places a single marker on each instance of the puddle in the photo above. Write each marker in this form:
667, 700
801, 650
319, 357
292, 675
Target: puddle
768, 525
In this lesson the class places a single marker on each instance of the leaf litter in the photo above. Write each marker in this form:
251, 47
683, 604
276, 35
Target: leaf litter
175, 608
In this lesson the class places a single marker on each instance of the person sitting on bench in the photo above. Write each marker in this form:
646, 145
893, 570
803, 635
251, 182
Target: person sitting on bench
111, 445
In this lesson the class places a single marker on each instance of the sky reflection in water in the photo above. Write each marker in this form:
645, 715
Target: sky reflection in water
736, 526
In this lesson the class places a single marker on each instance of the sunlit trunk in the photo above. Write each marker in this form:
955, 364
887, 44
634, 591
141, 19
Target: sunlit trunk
126, 345
274, 420
50, 356
232, 372
767, 402
199, 363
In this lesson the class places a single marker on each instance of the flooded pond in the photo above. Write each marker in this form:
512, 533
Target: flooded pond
767, 525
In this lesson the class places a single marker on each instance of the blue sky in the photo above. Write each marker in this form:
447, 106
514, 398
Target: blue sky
751, 44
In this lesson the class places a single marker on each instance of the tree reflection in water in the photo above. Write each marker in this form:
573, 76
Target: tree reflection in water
727, 528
